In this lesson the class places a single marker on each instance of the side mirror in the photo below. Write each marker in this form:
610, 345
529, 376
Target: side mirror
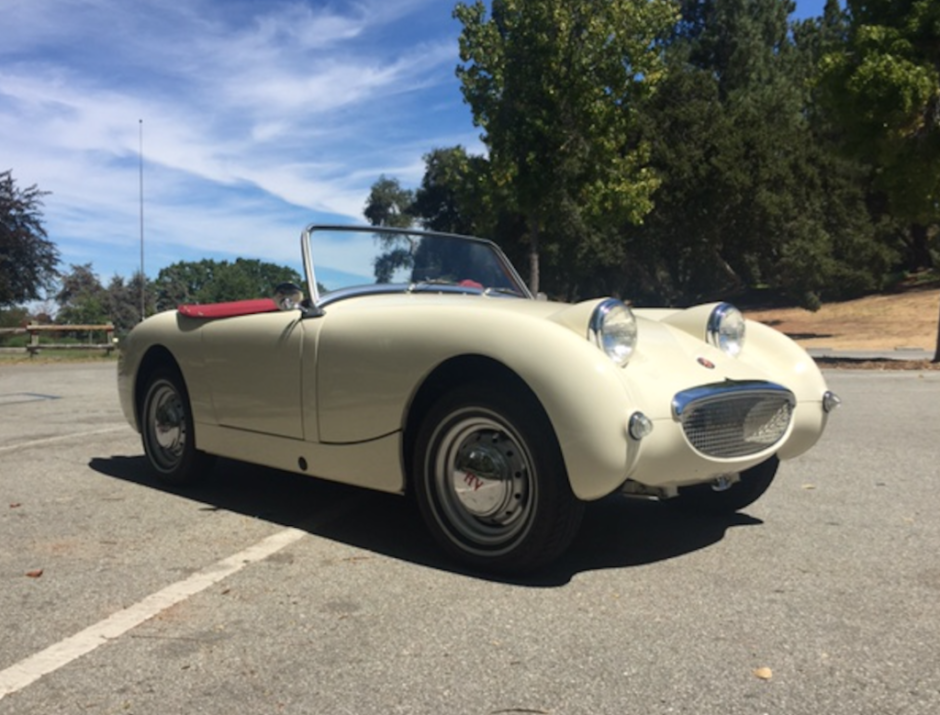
288, 296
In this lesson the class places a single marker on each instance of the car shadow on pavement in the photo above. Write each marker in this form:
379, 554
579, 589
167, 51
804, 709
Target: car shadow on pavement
616, 533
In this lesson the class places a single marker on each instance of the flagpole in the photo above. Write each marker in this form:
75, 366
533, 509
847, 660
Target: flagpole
143, 280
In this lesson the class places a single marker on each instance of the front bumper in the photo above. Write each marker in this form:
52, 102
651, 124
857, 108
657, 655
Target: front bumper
724, 428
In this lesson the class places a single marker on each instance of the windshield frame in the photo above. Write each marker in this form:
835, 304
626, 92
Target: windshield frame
318, 301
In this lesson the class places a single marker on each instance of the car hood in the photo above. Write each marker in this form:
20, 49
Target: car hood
671, 354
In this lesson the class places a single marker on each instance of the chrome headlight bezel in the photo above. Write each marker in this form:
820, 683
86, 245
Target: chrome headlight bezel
613, 329
726, 329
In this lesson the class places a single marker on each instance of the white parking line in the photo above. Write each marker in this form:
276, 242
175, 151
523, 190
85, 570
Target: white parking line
27, 671
61, 438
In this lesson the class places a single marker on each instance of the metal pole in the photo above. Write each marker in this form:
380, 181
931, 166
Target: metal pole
143, 280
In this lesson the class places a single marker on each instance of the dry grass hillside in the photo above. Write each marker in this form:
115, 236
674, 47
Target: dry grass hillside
887, 323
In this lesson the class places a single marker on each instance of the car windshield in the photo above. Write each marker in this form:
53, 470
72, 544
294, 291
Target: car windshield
344, 261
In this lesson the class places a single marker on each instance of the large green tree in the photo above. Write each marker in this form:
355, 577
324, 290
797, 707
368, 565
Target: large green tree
211, 281
389, 204
862, 245
883, 87
28, 259
81, 297
456, 194
124, 299
752, 192
721, 134
83, 300
554, 85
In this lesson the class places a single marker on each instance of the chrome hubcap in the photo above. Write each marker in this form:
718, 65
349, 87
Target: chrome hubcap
484, 481
488, 476
167, 423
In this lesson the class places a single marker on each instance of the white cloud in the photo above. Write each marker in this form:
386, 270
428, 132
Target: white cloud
254, 115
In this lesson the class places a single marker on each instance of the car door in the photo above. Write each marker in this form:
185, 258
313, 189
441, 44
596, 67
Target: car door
253, 364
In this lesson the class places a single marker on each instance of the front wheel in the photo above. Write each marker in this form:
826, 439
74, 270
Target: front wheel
166, 425
490, 480
707, 499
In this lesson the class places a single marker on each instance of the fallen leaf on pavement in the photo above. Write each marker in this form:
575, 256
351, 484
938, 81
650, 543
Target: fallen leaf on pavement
764, 673
35, 573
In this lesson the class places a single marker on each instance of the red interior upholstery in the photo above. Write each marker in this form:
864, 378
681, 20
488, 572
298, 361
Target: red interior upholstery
228, 310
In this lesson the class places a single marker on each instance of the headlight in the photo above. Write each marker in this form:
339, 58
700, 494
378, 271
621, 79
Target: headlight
726, 329
613, 330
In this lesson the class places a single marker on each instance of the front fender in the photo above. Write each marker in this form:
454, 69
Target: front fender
183, 347
371, 362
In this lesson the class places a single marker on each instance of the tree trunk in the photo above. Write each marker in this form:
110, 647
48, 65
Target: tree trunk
918, 248
936, 354
534, 258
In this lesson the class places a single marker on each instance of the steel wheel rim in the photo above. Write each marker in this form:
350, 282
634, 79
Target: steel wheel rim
484, 482
167, 430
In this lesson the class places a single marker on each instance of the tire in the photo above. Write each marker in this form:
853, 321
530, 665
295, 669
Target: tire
705, 499
167, 430
490, 481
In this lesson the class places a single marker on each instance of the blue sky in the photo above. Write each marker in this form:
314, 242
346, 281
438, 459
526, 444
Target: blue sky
258, 118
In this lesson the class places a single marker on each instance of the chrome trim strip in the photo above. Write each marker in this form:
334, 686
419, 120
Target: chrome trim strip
705, 393
363, 290
308, 266
396, 289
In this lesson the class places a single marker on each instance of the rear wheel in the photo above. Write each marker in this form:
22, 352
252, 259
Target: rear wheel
711, 499
490, 480
167, 430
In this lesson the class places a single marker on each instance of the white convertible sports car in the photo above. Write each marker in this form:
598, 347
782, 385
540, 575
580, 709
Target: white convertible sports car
420, 363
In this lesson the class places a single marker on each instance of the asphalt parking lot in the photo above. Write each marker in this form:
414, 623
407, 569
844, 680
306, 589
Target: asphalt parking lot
264, 592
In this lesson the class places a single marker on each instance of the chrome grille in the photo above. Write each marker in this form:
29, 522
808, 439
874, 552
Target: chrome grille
734, 419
